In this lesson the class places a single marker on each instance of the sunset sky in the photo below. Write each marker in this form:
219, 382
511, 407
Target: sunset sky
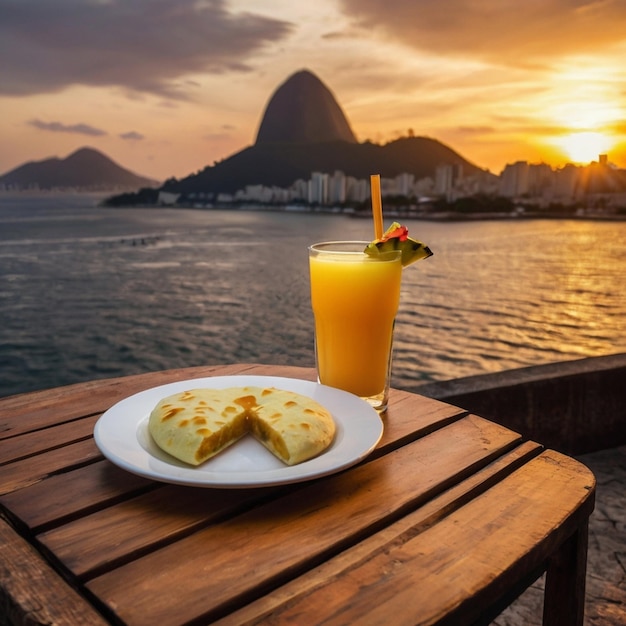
166, 87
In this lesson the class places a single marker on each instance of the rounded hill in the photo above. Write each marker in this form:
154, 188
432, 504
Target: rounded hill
281, 164
303, 110
85, 168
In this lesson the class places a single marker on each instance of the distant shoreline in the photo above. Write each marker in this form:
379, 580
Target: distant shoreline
391, 213
429, 216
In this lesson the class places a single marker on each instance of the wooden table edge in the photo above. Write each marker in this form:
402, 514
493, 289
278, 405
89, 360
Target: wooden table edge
32, 592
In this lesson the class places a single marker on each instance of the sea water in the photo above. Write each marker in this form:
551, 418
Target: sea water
89, 292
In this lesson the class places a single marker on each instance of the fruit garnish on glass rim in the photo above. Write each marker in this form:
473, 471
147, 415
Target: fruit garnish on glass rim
396, 237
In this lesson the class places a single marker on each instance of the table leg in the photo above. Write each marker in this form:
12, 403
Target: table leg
564, 603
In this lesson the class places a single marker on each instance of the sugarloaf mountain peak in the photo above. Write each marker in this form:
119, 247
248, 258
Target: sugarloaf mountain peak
303, 110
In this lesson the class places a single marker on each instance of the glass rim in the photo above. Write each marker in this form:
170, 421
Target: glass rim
357, 248
339, 247
339, 242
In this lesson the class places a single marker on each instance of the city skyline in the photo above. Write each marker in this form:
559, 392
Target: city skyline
167, 88
536, 184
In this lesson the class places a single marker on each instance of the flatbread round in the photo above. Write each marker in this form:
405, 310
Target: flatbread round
197, 424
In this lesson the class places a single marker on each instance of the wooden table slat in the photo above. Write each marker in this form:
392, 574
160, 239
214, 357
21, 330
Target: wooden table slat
65, 496
413, 417
30, 471
40, 441
118, 534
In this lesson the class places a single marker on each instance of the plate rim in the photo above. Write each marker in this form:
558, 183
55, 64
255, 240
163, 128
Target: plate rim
366, 439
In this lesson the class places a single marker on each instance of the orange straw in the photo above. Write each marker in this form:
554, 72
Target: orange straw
377, 205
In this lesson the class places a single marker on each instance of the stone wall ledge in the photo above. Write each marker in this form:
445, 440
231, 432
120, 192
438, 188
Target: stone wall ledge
574, 407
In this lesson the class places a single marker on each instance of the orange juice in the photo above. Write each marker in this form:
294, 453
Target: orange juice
355, 300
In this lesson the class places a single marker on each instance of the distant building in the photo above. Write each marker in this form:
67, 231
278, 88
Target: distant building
337, 188
514, 180
166, 198
300, 190
566, 183
424, 187
318, 188
357, 190
446, 178
405, 185
540, 179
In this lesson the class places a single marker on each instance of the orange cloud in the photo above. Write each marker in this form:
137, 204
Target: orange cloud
500, 31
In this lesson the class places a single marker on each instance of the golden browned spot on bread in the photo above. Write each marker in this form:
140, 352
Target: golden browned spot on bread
198, 420
246, 402
310, 411
305, 426
173, 411
267, 392
204, 432
290, 403
183, 423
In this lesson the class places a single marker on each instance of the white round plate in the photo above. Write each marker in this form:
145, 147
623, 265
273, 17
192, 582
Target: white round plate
122, 436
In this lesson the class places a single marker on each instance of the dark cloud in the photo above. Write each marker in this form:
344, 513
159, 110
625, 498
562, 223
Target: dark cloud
140, 45
511, 32
132, 136
58, 127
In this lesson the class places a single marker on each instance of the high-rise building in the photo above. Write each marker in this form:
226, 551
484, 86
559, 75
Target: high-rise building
404, 184
337, 188
446, 177
566, 182
357, 190
514, 180
540, 179
318, 188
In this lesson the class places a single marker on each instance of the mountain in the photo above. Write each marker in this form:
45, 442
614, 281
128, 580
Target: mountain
304, 130
84, 169
303, 110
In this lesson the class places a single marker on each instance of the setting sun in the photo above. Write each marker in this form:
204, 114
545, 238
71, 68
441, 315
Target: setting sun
584, 147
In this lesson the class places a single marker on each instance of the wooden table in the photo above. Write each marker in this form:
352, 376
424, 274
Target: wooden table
446, 522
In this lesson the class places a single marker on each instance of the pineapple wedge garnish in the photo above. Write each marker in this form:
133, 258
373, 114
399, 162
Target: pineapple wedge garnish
396, 237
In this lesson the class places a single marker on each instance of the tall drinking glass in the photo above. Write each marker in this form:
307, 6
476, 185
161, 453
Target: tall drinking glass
355, 300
